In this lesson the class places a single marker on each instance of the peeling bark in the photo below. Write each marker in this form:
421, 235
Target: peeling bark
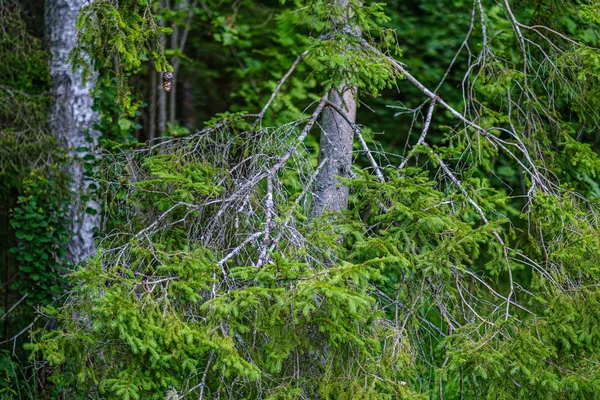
71, 118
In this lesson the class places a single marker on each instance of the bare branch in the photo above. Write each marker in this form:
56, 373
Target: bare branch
13, 306
262, 113
423, 134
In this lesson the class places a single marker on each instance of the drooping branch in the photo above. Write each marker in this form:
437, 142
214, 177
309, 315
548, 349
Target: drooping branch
541, 182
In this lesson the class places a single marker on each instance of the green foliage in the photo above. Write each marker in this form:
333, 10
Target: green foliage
346, 63
470, 273
23, 65
155, 345
342, 45
23, 103
166, 309
548, 358
40, 222
117, 119
13, 384
123, 32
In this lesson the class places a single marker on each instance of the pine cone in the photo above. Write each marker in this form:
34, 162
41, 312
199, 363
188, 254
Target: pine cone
167, 81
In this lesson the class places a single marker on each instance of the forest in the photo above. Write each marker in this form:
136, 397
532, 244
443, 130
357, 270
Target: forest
300, 199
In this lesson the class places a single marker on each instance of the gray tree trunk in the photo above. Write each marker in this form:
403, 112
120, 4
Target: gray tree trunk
175, 65
335, 145
337, 137
162, 109
162, 96
152, 106
71, 118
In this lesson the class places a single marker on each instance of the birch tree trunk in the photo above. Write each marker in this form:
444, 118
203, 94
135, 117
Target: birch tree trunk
175, 65
162, 96
71, 118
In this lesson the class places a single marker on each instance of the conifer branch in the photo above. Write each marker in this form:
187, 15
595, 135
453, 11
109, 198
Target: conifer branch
202, 383
458, 184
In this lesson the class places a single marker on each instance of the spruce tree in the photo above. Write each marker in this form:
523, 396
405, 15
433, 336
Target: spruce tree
235, 262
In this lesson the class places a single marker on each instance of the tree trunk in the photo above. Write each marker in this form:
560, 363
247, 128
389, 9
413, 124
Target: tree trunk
162, 96
188, 108
175, 65
162, 109
335, 145
152, 106
72, 118
336, 138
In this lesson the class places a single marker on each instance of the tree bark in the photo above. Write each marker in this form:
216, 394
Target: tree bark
72, 118
188, 109
336, 138
175, 65
162, 109
152, 106
335, 145
162, 96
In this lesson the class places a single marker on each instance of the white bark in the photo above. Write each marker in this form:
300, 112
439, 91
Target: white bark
71, 117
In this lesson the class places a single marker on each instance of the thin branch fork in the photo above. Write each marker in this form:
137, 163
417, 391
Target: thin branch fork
292, 149
288, 154
269, 206
147, 282
536, 27
311, 122
262, 113
14, 337
297, 202
496, 141
476, 277
424, 133
13, 306
239, 248
202, 383
162, 217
